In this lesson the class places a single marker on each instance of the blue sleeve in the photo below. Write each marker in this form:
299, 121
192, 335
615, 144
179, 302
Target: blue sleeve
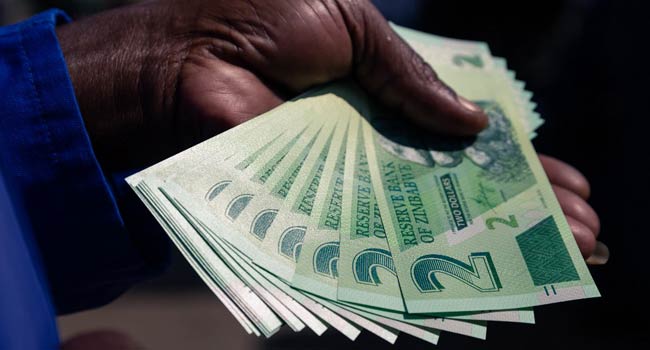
55, 183
26, 312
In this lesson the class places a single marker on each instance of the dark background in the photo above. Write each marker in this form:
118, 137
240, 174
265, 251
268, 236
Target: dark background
584, 61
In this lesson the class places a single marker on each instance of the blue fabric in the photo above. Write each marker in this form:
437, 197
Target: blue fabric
26, 312
63, 242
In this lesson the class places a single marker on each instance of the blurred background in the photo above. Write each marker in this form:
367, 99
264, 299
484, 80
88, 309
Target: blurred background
583, 63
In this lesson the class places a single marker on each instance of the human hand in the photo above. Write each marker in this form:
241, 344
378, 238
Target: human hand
572, 190
157, 77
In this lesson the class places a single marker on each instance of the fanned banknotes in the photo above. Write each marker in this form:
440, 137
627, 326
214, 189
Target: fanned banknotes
331, 211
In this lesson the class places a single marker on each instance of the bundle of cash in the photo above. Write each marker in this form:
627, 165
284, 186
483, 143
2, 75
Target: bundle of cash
330, 211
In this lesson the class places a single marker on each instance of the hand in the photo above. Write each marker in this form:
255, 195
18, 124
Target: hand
572, 190
156, 77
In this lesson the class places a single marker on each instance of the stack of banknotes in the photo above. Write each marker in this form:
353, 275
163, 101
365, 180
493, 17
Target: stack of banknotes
330, 211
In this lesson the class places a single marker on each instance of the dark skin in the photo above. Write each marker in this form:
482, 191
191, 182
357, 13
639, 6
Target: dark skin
155, 78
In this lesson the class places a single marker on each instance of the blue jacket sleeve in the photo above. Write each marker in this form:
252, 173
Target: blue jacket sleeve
54, 182
26, 312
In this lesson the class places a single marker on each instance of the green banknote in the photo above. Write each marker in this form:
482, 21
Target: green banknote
326, 206
472, 224
473, 328
430, 335
246, 140
219, 194
318, 261
251, 309
442, 52
208, 236
316, 269
367, 276
332, 318
370, 277
336, 321
166, 168
285, 235
260, 131
258, 170
270, 282
367, 272
329, 210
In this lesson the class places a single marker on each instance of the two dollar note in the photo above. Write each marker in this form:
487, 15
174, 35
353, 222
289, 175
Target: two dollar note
331, 211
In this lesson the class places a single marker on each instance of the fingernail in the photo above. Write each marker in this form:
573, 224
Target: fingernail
600, 255
468, 105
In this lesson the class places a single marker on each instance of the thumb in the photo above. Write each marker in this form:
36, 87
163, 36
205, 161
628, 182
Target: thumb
389, 69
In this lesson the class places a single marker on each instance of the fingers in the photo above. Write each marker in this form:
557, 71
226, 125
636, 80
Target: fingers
576, 207
562, 174
600, 256
572, 189
595, 252
391, 71
584, 224
583, 235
